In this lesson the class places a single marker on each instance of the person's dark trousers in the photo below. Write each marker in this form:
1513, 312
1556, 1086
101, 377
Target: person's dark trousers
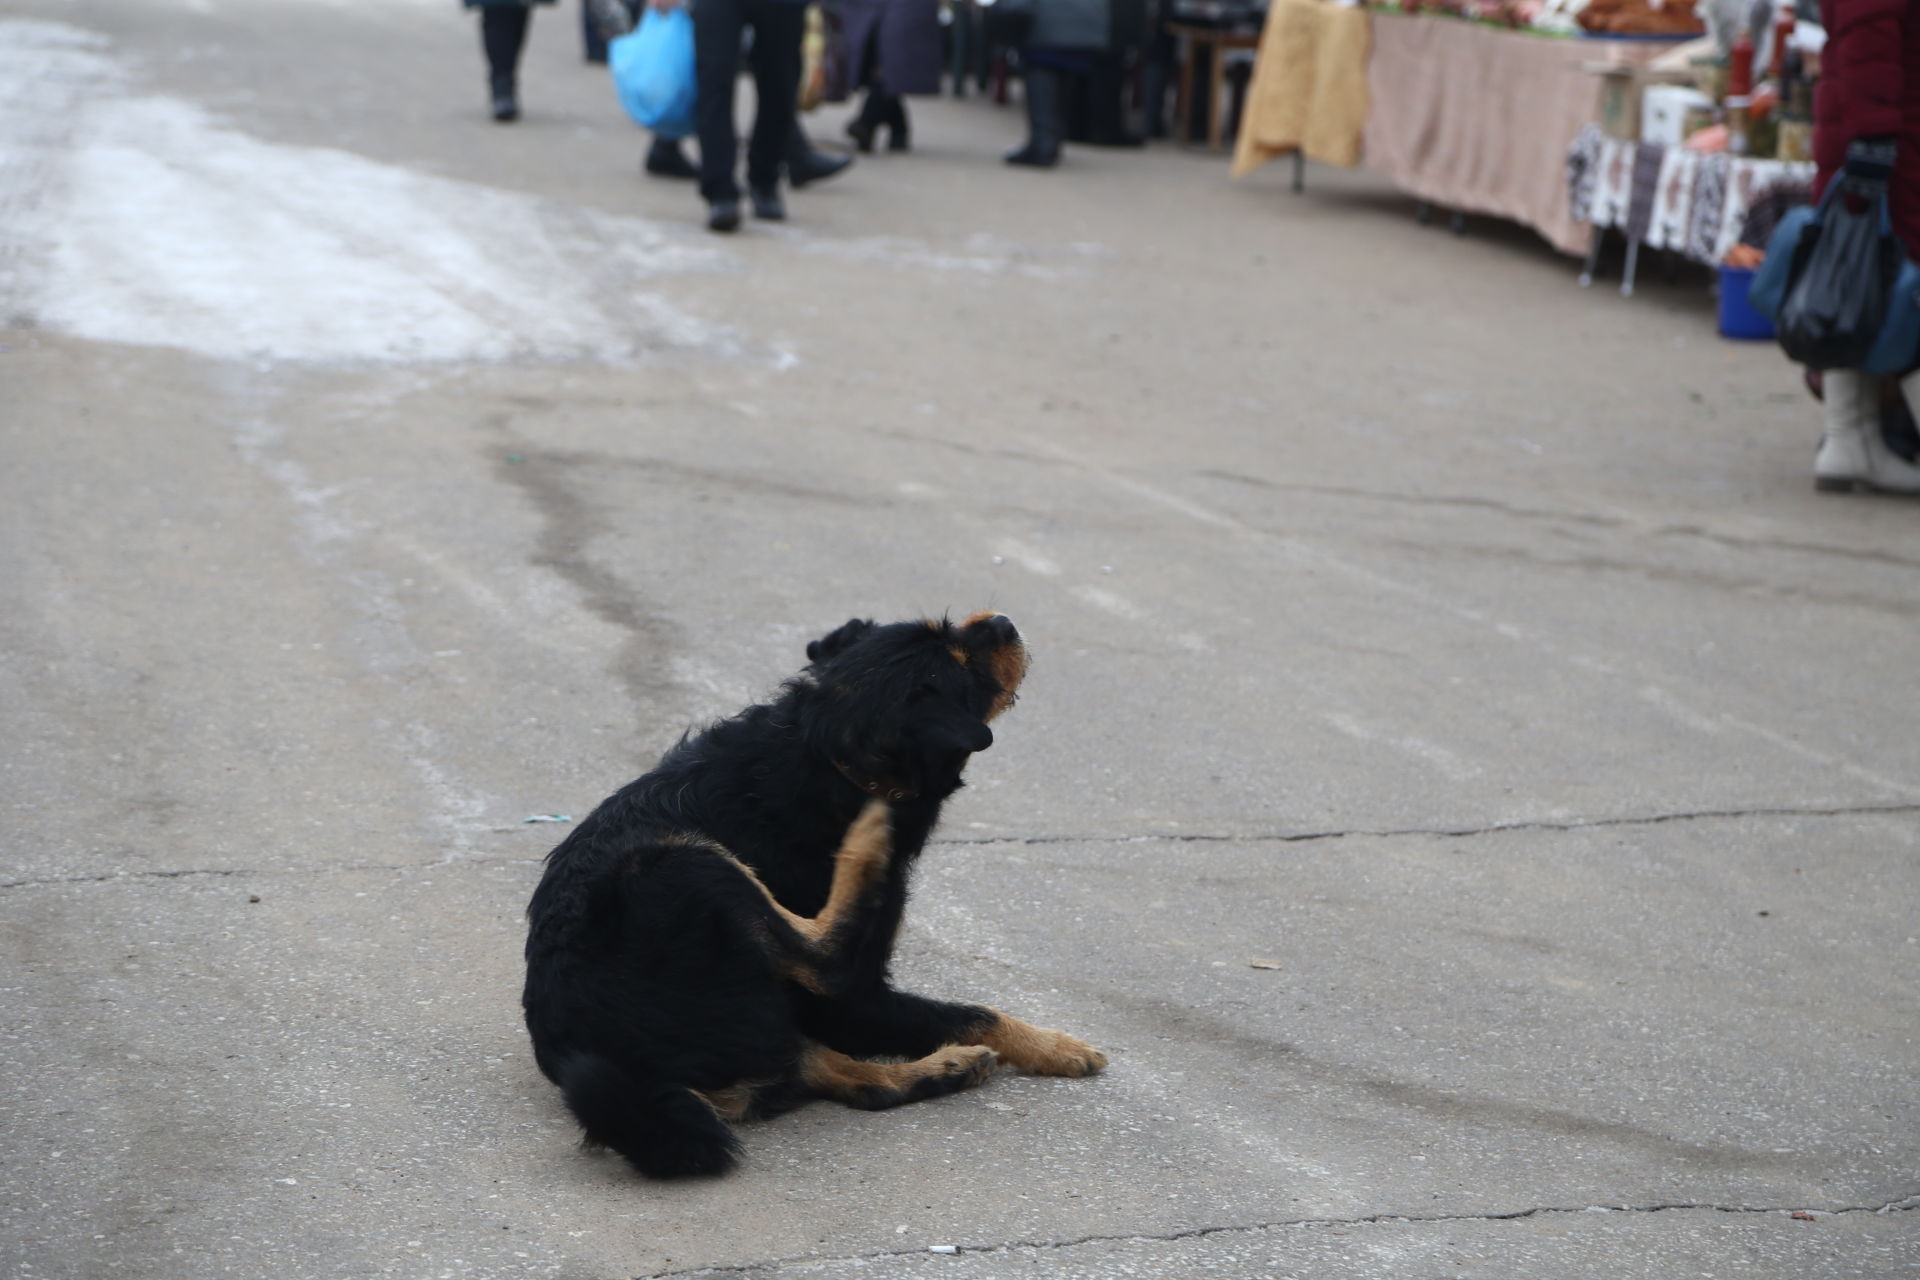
503, 32
777, 28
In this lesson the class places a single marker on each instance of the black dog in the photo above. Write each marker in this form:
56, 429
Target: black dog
712, 942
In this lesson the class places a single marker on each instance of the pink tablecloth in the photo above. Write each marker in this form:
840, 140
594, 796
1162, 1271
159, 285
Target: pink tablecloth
1479, 120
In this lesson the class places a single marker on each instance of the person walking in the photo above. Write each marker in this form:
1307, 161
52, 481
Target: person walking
893, 49
1062, 40
1866, 124
503, 34
607, 20
719, 27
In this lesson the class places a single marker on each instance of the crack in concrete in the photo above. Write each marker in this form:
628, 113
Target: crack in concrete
1869, 555
1904, 1205
108, 877
1454, 833
1195, 837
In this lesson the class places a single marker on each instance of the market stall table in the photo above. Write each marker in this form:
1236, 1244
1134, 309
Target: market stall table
1459, 114
1686, 202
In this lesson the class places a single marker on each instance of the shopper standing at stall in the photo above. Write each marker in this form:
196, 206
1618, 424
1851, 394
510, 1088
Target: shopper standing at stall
1063, 39
1867, 122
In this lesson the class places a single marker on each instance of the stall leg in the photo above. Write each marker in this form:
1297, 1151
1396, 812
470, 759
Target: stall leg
1299, 171
1423, 213
1633, 265
1459, 224
1593, 258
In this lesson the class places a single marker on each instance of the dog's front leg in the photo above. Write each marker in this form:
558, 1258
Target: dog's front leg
1040, 1050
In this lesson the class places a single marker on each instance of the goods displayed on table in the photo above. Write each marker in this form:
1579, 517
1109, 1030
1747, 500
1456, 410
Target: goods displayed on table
1640, 18
1701, 152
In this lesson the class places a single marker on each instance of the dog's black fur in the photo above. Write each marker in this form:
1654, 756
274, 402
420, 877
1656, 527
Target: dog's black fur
672, 982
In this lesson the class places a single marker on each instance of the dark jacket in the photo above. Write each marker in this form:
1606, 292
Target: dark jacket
1870, 88
899, 38
1071, 24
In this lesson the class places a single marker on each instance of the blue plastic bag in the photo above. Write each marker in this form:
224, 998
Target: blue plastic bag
1897, 348
652, 70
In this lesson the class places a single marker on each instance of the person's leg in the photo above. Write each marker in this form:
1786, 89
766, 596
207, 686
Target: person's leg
873, 114
503, 33
778, 26
898, 138
1042, 94
1853, 454
665, 159
593, 42
717, 27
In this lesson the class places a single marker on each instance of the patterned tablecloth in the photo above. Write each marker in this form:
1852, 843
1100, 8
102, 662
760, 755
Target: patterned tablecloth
1694, 203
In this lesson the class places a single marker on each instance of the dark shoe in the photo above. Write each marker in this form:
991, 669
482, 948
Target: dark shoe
873, 114
805, 165
506, 105
817, 167
1034, 156
767, 205
665, 159
723, 215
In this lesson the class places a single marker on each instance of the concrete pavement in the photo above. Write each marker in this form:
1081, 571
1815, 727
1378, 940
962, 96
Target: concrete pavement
1467, 780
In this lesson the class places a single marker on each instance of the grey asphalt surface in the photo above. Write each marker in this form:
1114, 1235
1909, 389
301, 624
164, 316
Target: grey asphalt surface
1467, 780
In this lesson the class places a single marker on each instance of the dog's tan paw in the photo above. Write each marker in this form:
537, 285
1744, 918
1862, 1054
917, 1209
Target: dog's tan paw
971, 1062
1042, 1051
1070, 1056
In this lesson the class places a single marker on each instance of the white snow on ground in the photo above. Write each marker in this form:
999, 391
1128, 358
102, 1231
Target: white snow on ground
142, 220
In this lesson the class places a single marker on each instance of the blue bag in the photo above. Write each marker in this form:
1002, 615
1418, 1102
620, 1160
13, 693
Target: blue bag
653, 72
1770, 281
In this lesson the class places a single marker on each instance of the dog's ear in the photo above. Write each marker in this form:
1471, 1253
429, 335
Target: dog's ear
838, 639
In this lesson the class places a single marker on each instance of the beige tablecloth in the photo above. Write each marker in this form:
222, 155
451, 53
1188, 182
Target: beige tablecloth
1309, 88
1466, 116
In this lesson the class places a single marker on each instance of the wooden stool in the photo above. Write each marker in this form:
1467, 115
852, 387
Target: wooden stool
1215, 41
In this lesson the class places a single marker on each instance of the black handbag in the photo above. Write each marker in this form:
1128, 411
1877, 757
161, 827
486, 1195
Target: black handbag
1844, 267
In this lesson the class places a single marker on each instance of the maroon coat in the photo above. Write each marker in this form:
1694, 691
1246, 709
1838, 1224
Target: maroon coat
1870, 87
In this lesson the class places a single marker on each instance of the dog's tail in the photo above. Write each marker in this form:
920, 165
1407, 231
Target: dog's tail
664, 1130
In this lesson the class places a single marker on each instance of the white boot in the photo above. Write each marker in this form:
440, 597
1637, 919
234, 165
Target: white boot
1853, 455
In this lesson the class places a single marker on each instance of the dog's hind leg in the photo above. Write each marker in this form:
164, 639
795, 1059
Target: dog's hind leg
875, 1086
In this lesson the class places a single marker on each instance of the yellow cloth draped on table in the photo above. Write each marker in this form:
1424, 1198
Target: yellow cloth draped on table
1309, 89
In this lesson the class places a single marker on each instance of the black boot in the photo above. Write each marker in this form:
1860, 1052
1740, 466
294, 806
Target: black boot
665, 159
506, 104
805, 165
898, 138
873, 114
767, 204
1042, 93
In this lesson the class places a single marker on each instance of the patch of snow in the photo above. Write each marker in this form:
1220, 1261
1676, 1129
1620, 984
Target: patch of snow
143, 220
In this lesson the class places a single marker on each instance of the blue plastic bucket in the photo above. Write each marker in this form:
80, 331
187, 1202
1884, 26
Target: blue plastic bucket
1738, 319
